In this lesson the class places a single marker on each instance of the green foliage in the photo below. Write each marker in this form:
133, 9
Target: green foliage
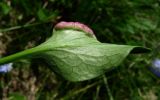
16, 96
133, 22
4, 8
79, 57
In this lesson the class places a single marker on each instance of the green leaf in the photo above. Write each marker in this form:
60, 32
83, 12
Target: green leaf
44, 15
79, 57
16, 96
4, 8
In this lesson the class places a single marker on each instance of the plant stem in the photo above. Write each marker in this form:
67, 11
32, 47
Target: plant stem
19, 55
21, 26
107, 87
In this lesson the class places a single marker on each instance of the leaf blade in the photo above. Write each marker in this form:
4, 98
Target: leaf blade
85, 62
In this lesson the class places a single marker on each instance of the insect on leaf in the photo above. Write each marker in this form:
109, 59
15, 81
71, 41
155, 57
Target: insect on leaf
78, 57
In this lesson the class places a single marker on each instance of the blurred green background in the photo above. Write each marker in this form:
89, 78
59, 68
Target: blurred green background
27, 23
